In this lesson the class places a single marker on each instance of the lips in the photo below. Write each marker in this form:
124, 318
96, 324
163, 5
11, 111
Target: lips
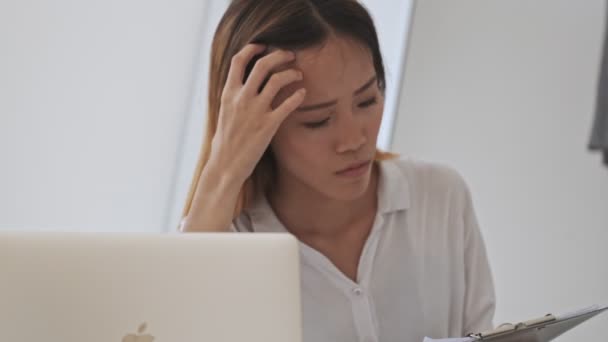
353, 167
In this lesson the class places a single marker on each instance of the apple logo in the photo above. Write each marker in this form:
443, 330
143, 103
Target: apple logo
140, 336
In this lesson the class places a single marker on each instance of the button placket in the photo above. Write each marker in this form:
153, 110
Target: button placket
361, 306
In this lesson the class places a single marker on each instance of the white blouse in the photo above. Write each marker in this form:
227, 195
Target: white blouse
423, 270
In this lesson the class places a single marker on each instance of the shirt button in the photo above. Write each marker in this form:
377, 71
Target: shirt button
357, 291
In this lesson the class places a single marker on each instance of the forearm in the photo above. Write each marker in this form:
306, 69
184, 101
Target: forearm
214, 201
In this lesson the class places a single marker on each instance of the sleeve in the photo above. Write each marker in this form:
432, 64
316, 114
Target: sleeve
480, 298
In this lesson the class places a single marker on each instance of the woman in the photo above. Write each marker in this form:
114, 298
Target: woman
391, 250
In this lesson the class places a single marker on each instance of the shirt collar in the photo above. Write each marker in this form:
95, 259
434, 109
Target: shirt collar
393, 195
393, 187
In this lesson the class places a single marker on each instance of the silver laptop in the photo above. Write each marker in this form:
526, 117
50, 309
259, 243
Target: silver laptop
215, 287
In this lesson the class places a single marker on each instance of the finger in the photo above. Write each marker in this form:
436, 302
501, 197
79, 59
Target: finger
278, 81
239, 62
289, 105
262, 69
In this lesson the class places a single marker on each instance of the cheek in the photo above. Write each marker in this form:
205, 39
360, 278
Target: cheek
285, 144
375, 120
295, 146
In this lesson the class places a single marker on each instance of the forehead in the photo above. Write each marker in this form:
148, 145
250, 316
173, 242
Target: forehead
339, 65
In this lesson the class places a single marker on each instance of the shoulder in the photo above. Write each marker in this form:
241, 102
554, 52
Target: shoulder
430, 180
429, 174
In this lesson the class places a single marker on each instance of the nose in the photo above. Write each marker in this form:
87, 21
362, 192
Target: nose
350, 134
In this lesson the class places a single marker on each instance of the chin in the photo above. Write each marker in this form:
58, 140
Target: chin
348, 191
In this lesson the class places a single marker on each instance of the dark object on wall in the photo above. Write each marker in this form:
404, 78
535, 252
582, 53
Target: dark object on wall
599, 135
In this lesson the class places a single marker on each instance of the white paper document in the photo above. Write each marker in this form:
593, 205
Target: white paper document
580, 312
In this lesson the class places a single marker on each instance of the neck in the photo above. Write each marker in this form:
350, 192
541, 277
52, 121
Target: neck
306, 212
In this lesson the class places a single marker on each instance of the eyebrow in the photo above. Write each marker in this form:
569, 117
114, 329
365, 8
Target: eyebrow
333, 102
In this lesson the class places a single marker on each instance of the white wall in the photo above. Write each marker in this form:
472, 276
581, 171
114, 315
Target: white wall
92, 99
194, 124
503, 90
392, 21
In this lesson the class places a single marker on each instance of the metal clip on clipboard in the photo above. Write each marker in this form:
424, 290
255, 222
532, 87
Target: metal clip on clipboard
509, 328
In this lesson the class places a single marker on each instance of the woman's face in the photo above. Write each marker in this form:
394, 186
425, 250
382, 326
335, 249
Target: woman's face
336, 127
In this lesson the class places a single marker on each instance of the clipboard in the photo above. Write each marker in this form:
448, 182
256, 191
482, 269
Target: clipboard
542, 329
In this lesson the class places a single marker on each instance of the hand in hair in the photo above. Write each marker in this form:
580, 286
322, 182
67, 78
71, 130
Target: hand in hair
248, 119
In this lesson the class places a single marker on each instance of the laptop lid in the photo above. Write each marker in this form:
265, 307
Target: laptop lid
118, 287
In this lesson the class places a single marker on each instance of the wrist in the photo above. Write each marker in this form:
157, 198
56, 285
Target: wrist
218, 176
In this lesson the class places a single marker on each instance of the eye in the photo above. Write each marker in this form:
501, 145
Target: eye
316, 124
368, 103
